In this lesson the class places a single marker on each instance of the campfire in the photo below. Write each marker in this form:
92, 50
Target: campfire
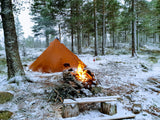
82, 74
78, 82
85, 76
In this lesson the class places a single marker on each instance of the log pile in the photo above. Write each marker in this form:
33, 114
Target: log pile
70, 87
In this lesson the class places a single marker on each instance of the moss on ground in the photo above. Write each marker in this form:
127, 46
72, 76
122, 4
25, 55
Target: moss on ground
153, 59
98, 58
5, 115
96, 90
5, 97
148, 51
3, 72
2, 61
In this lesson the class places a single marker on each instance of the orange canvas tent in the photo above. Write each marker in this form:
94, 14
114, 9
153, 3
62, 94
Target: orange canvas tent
56, 58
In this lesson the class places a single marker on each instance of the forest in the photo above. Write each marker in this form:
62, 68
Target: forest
116, 44
98, 23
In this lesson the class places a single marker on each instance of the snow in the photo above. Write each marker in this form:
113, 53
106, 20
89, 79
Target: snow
118, 74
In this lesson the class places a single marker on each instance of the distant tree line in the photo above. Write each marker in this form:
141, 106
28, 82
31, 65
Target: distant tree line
89, 22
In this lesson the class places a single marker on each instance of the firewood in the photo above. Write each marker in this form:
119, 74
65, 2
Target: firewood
67, 77
70, 87
61, 92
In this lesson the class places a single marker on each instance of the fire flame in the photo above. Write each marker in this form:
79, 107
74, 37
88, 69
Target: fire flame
82, 74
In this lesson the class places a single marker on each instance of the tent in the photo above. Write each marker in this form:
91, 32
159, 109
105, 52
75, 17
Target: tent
55, 58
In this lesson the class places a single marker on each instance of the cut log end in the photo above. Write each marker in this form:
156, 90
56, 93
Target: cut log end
70, 110
108, 108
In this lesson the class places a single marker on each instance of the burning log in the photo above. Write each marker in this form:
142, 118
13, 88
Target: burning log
89, 79
85, 76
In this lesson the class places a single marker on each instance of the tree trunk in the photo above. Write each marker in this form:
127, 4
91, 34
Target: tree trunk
81, 39
141, 38
159, 41
59, 32
146, 38
78, 41
125, 37
133, 29
88, 39
137, 40
72, 44
95, 28
14, 64
137, 30
47, 40
153, 38
72, 36
75, 39
103, 28
78, 30
106, 37
113, 40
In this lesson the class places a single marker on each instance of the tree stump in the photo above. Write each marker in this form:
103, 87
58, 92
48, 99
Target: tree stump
70, 110
108, 108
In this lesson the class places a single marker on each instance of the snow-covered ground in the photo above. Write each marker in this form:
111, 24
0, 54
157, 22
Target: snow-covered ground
136, 80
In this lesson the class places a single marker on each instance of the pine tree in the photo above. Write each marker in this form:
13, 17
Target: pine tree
103, 28
44, 18
157, 13
113, 7
124, 23
95, 29
88, 22
133, 30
